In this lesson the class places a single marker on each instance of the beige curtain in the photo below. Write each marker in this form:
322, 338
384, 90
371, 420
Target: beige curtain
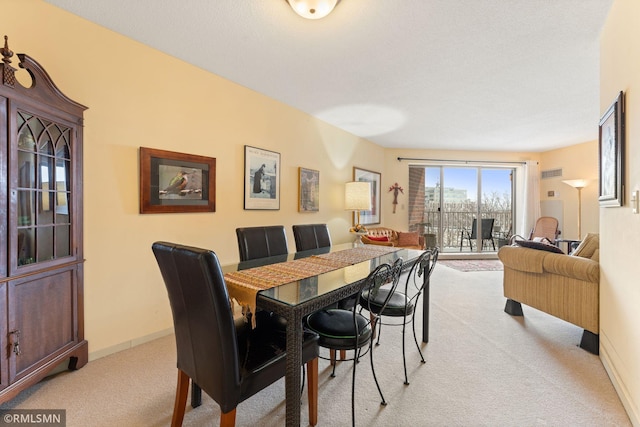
530, 211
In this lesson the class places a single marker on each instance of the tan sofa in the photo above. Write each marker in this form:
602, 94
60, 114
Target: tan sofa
395, 238
565, 286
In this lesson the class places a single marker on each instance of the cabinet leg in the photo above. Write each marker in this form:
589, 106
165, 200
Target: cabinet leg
79, 357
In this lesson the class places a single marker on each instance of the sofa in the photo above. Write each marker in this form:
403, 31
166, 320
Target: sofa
565, 286
389, 237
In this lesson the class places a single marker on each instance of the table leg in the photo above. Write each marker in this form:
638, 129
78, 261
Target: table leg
294, 362
425, 304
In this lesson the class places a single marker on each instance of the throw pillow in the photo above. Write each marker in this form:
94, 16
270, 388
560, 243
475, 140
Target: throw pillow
378, 238
408, 239
588, 246
539, 245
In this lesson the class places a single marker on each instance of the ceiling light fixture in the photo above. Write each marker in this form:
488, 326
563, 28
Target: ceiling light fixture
313, 9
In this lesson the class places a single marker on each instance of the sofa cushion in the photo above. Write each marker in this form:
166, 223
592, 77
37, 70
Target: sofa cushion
522, 259
588, 246
408, 239
378, 238
539, 245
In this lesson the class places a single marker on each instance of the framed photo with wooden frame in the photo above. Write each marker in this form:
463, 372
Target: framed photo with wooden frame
308, 190
173, 182
261, 179
375, 178
611, 155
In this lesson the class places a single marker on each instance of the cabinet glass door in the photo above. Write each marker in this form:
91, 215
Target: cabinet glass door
43, 190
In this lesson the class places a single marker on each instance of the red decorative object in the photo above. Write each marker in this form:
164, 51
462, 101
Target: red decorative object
395, 188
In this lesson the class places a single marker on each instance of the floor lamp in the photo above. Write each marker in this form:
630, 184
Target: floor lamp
578, 184
357, 197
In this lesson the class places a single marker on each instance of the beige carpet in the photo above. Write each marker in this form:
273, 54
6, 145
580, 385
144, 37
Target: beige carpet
484, 368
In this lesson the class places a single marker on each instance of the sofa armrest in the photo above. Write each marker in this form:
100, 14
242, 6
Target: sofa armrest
522, 259
572, 266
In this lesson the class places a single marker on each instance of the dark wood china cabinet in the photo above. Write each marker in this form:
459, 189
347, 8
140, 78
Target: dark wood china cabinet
41, 254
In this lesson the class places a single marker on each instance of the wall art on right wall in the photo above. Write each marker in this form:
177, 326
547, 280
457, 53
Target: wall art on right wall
611, 154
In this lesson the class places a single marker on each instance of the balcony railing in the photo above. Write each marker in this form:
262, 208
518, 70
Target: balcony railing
454, 222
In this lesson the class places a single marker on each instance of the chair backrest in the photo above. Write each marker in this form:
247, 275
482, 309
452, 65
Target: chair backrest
487, 228
417, 279
205, 332
381, 275
546, 226
261, 242
311, 236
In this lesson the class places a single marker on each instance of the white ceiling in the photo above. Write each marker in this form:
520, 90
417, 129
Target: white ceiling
508, 75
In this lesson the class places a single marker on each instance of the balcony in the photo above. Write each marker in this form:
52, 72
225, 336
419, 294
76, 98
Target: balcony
454, 222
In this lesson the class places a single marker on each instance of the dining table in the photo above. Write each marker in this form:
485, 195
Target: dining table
296, 299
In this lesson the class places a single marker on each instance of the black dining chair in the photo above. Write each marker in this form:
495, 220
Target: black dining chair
311, 236
341, 329
261, 242
402, 304
228, 359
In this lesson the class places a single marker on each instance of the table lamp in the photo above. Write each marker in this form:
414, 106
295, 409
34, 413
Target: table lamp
578, 184
357, 197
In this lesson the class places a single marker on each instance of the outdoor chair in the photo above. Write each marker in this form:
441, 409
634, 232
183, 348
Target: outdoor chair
223, 355
487, 233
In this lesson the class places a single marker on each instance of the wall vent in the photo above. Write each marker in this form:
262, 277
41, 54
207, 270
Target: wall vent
551, 173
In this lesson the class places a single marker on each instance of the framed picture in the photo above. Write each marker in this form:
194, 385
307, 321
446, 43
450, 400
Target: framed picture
308, 190
261, 179
372, 216
611, 154
176, 182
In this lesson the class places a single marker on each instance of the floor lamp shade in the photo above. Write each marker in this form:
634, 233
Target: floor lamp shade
357, 197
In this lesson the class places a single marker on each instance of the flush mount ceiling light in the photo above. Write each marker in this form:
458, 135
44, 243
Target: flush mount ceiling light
313, 9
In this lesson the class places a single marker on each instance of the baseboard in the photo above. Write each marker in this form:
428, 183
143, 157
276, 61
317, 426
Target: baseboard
128, 344
606, 352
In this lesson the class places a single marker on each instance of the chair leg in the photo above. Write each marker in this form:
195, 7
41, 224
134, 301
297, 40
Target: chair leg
182, 390
415, 338
343, 354
375, 377
312, 392
228, 419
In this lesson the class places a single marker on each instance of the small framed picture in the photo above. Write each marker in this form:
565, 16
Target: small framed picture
173, 182
611, 154
375, 178
261, 179
308, 190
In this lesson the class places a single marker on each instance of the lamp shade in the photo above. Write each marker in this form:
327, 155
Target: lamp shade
357, 196
313, 9
576, 183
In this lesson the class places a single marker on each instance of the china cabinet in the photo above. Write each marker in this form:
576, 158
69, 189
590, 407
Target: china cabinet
41, 253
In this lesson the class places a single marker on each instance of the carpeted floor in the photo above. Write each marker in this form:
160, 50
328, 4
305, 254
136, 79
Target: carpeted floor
473, 264
484, 368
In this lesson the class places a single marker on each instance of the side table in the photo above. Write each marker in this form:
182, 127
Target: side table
569, 243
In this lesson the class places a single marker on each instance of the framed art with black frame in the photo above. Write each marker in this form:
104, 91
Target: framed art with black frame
261, 179
611, 154
173, 182
375, 178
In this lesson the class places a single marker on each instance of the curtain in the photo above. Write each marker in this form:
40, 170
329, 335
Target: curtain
531, 202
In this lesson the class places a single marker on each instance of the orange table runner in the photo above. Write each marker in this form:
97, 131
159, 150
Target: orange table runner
244, 285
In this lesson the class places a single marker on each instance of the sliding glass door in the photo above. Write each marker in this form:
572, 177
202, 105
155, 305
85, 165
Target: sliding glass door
466, 209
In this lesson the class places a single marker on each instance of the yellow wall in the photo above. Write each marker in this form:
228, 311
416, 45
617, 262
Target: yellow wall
577, 162
140, 97
619, 227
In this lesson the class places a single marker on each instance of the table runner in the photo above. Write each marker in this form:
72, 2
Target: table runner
244, 285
